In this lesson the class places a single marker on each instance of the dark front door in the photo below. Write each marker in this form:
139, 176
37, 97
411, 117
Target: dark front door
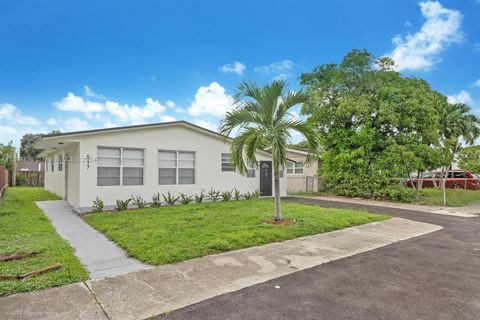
266, 178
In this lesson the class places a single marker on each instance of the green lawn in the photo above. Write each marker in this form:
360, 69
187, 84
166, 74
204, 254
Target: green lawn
455, 197
24, 228
171, 234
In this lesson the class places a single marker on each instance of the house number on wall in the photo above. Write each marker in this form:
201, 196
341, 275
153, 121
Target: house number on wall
87, 161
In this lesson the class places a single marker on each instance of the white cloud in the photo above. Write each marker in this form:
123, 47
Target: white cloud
11, 115
75, 103
477, 83
92, 94
134, 114
99, 111
235, 67
420, 51
14, 124
211, 100
206, 124
75, 124
52, 122
167, 118
461, 97
171, 105
281, 69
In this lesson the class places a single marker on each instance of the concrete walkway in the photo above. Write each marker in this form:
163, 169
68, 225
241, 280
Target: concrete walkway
100, 256
471, 211
165, 288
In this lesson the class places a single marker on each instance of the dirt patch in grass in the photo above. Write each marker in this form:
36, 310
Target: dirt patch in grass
284, 222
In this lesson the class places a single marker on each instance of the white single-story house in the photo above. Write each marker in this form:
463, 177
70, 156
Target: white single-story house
301, 177
116, 163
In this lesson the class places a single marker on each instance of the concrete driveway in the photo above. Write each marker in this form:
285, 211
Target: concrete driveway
436, 276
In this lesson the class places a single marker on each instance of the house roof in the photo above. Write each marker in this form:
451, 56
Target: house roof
140, 126
44, 143
299, 151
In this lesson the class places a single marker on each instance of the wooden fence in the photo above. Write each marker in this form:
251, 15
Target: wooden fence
30, 178
3, 181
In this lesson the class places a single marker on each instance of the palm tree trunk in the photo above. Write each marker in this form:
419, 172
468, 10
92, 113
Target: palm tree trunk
278, 208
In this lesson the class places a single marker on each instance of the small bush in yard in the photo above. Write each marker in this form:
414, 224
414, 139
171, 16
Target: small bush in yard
169, 199
156, 201
213, 195
256, 194
396, 193
237, 194
247, 195
139, 202
122, 205
185, 199
226, 195
98, 205
199, 197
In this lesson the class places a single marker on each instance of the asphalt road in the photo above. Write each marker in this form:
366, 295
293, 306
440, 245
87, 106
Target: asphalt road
436, 276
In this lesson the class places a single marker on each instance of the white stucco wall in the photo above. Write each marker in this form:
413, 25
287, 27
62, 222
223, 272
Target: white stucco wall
83, 180
54, 181
297, 182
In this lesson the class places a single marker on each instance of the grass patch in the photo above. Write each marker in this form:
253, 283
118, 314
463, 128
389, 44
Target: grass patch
455, 197
24, 228
171, 234
433, 197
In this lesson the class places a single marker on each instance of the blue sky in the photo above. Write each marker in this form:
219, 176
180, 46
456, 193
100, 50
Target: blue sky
74, 65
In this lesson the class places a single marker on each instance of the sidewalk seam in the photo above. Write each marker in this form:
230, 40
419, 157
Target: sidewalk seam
97, 301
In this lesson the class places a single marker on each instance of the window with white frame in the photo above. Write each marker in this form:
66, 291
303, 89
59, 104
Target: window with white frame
226, 163
186, 167
60, 163
295, 168
52, 164
132, 167
108, 166
120, 166
176, 167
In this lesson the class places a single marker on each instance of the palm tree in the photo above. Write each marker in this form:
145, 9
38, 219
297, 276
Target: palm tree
459, 123
263, 120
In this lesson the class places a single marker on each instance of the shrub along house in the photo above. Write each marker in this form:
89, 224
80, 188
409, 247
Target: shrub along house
116, 163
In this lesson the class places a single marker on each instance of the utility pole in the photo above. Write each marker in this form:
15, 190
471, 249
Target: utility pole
444, 182
14, 168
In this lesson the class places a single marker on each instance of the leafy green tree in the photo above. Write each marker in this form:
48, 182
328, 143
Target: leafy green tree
371, 122
7, 155
300, 145
263, 121
27, 142
27, 149
469, 159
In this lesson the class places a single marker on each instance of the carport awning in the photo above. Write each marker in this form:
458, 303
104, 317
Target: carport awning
52, 144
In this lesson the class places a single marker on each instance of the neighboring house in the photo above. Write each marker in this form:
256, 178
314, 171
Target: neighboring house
116, 163
29, 173
301, 177
29, 165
